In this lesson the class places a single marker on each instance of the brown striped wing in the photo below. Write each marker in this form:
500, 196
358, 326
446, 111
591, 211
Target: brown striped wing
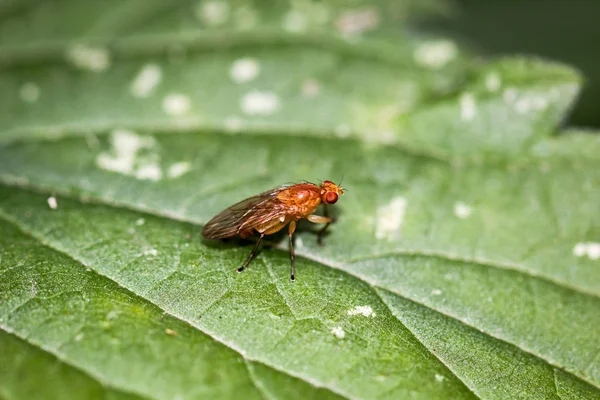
242, 218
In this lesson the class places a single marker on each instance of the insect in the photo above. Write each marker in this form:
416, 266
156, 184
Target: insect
269, 212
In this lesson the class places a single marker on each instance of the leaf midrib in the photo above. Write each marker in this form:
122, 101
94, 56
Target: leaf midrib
6, 217
13, 181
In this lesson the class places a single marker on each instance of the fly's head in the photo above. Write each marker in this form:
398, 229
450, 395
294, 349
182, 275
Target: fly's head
330, 192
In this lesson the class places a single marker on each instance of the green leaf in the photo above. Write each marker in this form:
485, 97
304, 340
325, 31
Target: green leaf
462, 264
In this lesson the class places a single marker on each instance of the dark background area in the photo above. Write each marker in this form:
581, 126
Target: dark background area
561, 30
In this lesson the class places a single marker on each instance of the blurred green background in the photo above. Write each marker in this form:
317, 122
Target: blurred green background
561, 30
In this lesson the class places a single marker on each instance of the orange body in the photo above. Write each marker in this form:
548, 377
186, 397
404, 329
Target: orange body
299, 200
269, 212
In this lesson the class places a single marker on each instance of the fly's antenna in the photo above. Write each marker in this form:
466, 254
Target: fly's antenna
340, 184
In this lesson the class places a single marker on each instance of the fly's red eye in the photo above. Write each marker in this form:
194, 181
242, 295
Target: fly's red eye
331, 197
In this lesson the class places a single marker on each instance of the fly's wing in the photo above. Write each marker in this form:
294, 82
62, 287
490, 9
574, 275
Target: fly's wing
244, 216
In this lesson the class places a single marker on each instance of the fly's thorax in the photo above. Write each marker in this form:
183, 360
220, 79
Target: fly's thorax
300, 200
299, 195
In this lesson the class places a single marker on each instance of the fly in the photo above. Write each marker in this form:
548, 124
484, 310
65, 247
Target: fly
269, 212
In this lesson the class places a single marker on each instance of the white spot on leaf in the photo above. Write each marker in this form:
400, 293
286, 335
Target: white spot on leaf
112, 315
365, 311
436, 292
146, 80
151, 252
356, 22
52, 203
140, 222
176, 104
213, 12
295, 21
439, 378
468, 109
338, 332
125, 146
29, 92
531, 102
580, 249
260, 103
178, 169
591, 249
311, 88
462, 210
95, 59
390, 218
436, 54
493, 82
244, 70
149, 171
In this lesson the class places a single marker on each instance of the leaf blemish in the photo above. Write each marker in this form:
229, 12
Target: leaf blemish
591, 249
260, 103
338, 332
435, 54
493, 82
112, 315
390, 218
366, 311
95, 59
178, 169
462, 210
356, 22
176, 104
52, 203
146, 80
439, 378
170, 332
150, 171
213, 13
29, 92
527, 104
310, 88
295, 21
125, 145
151, 252
468, 108
244, 70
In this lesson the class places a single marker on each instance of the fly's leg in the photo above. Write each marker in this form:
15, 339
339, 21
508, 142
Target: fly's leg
252, 253
318, 219
291, 230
